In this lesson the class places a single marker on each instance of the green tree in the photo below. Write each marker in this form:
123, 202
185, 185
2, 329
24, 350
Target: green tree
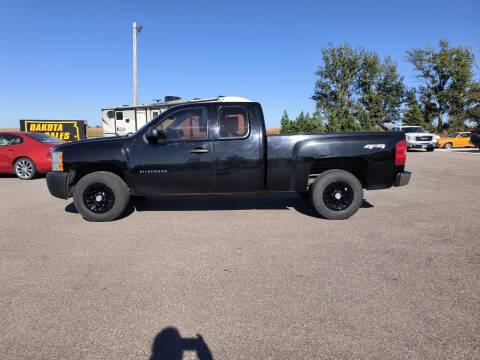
447, 80
356, 90
473, 104
303, 124
413, 114
285, 124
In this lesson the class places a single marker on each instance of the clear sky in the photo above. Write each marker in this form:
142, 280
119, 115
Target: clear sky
68, 59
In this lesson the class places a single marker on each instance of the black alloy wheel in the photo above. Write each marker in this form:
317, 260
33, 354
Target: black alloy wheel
98, 198
101, 196
338, 196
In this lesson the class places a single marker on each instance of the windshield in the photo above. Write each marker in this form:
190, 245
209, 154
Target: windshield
413, 129
43, 138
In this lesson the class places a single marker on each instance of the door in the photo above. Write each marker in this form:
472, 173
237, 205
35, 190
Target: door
464, 139
124, 121
239, 164
9, 144
180, 161
108, 119
141, 118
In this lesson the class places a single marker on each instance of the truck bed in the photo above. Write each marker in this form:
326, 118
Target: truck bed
293, 157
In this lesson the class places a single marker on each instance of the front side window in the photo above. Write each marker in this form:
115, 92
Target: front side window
465, 135
233, 122
110, 114
190, 124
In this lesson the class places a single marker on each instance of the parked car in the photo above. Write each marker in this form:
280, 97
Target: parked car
418, 138
26, 154
220, 147
475, 139
457, 139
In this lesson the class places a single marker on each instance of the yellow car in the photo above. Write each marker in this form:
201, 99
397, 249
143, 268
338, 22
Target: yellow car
458, 139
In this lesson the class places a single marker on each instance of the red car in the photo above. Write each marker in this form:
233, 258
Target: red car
26, 154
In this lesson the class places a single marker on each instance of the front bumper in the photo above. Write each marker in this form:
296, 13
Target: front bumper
402, 178
421, 144
57, 182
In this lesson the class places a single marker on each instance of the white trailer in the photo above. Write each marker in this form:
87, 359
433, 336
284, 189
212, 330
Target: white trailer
126, 119
122, 120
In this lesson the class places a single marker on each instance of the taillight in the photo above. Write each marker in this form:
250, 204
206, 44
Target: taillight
401, 153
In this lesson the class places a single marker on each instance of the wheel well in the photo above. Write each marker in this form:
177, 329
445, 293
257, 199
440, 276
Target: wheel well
356, 166
448, 142
80, 171
19, 157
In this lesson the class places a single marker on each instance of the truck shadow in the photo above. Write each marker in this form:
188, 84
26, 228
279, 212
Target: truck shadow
190, 203
264, 202
170, 345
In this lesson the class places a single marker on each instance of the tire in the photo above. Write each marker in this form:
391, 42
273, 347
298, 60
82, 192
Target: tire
328, 186
447, 145
101, 196
24, 168
431, 149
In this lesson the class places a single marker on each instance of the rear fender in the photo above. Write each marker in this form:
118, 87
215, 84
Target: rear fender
361, 157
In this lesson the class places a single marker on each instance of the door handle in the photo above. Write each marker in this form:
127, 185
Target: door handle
199, 150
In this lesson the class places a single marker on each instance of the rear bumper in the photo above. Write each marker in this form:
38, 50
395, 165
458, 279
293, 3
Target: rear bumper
57, 184
402, 178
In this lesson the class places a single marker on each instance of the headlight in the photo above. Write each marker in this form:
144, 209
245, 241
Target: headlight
57, 161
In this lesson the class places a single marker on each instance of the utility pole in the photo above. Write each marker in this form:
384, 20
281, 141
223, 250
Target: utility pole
135, 83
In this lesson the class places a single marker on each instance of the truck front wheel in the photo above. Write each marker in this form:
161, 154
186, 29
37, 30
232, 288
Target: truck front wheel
101, 196
336, 194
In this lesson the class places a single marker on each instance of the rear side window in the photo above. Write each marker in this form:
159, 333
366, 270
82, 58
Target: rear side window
233, 122
43, 138
8, 139
466, 135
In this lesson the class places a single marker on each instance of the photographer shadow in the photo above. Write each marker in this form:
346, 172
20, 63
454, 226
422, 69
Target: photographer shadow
169, 345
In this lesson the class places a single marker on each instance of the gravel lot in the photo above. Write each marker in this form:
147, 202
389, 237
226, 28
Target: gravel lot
247, 278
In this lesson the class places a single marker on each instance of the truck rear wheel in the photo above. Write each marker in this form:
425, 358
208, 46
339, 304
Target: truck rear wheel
336, 194
101, 196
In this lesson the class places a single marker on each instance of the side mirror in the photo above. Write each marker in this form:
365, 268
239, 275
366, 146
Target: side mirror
152, 133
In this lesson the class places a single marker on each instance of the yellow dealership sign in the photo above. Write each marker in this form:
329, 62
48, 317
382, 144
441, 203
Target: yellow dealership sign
66, 130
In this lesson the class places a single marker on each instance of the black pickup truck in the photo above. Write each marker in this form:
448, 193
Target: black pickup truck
219, 147
475, 139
